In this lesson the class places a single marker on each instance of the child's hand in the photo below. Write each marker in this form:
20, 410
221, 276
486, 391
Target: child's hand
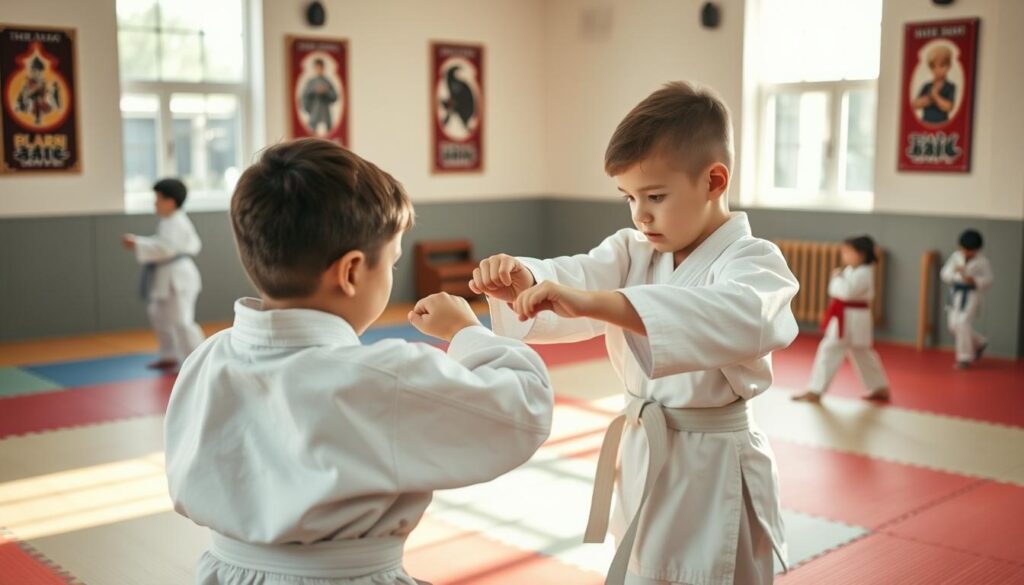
442, 315
836, 271
128, 241
550, 296
968, 280
501, 276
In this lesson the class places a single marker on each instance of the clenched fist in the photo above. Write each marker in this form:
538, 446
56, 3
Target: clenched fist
502, 277
442, 315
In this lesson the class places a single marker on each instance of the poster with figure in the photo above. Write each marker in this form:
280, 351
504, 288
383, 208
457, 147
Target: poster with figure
318, 88
457, 107
939, 67
38, 78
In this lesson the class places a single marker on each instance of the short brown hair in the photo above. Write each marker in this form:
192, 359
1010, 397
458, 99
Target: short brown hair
689, 122
306, 203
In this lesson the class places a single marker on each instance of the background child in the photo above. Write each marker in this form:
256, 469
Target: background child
848, 325
969, 274
691, 306
938, 96
170, 279
310, 456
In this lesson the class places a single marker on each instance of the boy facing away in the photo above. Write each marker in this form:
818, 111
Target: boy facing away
691, 306
310, 456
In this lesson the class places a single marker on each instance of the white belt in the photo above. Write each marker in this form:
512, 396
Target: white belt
656, 420
332, 559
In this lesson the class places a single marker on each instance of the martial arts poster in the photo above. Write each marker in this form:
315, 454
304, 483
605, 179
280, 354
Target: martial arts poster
939, 67
40, 112
457, 106
318, 88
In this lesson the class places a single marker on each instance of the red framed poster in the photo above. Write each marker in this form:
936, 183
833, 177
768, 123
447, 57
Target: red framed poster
939, 67
38, 78
457, 107
318, 102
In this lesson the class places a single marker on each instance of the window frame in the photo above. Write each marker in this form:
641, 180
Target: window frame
832, 196
198, 199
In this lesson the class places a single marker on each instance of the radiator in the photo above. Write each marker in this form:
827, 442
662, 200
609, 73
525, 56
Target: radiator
812, 263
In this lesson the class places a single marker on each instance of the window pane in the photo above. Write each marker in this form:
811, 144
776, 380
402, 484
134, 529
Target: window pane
787, 139
137, 13
183, 15
183, 135
207, 140
223, 17
860, 140
801, 141
181, 57
224, 57
137, 53
140, 124
819, 40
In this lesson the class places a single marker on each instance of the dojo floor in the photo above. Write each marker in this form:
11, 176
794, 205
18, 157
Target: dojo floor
929, 489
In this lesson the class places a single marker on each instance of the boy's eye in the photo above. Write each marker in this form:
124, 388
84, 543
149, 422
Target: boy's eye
628, 198
656, 198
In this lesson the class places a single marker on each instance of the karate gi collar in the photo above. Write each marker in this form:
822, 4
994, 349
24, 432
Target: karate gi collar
289, 327
701, 259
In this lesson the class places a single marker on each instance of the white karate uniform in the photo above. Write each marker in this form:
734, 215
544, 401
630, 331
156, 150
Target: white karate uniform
961, 313
853, 283
311, 457
176, 284
712, 323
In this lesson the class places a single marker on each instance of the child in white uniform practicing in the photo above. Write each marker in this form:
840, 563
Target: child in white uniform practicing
969, 274
848, 325
170, 279
691, 306
310, 456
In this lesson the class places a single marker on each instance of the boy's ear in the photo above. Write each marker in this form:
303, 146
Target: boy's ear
718, 180
349, 271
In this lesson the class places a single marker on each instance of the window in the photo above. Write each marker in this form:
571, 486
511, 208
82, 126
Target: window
184, 97
816, 69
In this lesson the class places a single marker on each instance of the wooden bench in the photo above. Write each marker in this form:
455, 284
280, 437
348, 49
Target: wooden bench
444, 266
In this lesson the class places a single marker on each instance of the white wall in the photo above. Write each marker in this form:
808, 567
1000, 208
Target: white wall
389, 79
98, 188
995, 186
555, 93
593, 79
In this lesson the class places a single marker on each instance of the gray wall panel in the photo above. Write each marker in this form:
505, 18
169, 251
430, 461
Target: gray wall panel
572, 226
49, 277
224, 279
62, 276
508, 226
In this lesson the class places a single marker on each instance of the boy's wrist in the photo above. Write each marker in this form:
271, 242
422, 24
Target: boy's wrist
459, 327
599, 304
614, 307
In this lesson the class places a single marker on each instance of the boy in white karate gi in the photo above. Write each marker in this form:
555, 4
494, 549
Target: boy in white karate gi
310, 456
848, 327
691, 306
170, 279
969, 274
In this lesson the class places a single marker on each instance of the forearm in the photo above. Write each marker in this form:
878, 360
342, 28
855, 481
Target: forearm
613, 307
